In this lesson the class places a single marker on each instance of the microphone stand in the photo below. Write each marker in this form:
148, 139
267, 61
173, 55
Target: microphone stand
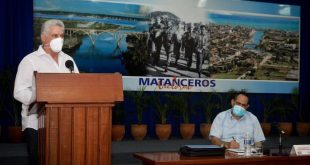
280, 143
71, 69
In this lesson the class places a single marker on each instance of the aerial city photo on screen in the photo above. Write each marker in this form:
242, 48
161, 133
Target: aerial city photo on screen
215, 39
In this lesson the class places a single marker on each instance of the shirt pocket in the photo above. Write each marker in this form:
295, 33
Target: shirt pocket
228, 129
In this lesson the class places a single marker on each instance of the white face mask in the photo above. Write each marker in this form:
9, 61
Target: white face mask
56, 44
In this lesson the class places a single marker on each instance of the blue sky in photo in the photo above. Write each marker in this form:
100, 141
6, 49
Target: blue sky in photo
91, 7
196, 8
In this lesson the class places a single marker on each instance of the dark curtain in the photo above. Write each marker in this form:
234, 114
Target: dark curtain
15, 42
15, 31
305, 58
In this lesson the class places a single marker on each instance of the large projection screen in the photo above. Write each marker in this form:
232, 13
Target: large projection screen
182, 45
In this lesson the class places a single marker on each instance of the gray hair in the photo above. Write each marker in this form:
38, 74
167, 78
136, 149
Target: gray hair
52, 22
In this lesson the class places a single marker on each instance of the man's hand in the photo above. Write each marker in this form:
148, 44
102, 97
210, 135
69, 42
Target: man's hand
234, 144
219, 142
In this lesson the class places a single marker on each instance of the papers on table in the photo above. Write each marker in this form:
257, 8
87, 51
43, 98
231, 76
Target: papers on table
237, 150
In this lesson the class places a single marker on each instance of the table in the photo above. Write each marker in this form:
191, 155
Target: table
174, 158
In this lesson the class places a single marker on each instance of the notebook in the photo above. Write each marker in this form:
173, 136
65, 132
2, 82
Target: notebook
202, 150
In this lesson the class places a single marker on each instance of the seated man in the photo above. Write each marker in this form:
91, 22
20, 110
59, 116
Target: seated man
229, 127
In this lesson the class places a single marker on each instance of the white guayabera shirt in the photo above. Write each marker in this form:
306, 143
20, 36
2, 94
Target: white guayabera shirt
226, 127
24, 89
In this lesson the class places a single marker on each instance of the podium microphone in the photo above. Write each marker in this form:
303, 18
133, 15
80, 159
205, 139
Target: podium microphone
280, 141
69, 65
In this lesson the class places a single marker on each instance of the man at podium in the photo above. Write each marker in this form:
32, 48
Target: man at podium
230, 127
48, 58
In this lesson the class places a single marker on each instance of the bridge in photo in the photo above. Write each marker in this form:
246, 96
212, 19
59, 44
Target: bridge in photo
94, 33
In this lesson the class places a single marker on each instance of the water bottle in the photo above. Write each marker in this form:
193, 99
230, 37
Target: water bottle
247, 145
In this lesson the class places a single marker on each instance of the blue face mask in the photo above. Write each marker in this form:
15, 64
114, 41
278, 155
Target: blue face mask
238, 110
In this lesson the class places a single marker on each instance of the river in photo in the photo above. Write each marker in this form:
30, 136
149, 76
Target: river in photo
256, 38
105, 55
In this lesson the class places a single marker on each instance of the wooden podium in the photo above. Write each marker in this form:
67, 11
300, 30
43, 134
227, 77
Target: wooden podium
75, 122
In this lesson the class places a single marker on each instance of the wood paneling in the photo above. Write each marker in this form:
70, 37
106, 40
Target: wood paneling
92, 136
52, 136
79, 136
76, 135
105, 114
65, 135
77, 88
75, 123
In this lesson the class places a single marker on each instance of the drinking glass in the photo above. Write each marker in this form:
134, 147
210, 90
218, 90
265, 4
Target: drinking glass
259, 149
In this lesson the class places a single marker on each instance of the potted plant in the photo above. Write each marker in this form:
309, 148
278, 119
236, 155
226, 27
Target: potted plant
268, 110
15, 131
179, 102
10, 105
162, 129
208, 103
118, 128
2, 94
282, 109
140, 101
1, 101
302, 126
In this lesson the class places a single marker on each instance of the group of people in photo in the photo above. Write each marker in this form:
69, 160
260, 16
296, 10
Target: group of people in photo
178, 39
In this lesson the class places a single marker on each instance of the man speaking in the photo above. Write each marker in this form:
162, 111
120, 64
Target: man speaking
47, 59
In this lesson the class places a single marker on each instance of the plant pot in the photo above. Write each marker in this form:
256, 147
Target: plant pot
118, 132
138, 131
266, 127
303, 128
187, 130
287, 127
15, 134
163, 131
205, 130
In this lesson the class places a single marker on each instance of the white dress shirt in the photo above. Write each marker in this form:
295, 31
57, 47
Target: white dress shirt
25, 89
